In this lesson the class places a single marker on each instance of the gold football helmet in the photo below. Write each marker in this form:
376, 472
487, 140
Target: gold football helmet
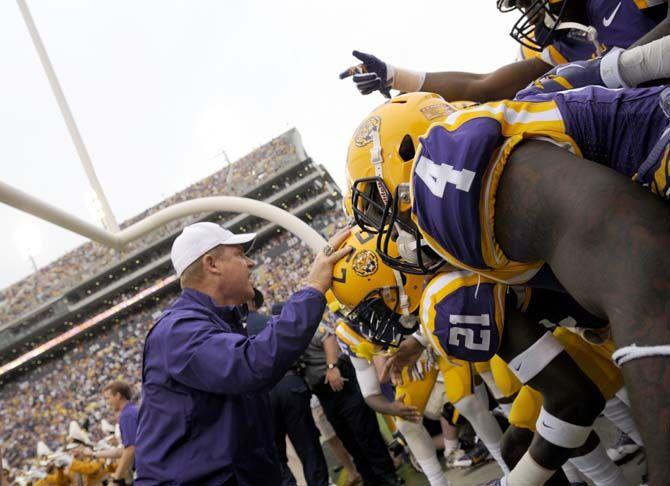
376, 299
379, 166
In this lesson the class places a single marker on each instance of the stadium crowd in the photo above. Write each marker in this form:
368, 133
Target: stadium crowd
40, 405
56, 278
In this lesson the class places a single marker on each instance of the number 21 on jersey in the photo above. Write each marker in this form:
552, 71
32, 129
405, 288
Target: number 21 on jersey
475, 337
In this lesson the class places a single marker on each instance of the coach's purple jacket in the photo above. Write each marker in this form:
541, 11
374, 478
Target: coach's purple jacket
205, 416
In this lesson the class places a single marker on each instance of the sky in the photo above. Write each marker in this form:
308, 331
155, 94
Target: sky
159, 88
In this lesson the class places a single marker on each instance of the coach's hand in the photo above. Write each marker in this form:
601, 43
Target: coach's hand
372, 74
321, 274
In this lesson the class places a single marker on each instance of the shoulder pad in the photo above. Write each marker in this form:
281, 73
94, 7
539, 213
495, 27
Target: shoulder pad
353, 344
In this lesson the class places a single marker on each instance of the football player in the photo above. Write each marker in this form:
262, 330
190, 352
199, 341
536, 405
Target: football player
502, 189
380, 312
551, 32
461, 325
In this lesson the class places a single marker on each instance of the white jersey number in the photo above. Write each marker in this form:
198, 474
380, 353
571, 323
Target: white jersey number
437, 176
472, 338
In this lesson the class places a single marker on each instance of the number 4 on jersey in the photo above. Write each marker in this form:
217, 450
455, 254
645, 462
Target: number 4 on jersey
437, 176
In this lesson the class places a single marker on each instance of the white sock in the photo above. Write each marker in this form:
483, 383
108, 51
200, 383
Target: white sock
571, 473
421, 445
494, 449
621, 415
527, 472
433, 471
506, 408
484, 425
450, 445
599, 468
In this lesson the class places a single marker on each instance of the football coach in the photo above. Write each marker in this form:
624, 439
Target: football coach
205, 416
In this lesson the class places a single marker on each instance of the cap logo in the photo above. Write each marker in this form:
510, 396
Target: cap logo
439, 110
363, 135
365, 263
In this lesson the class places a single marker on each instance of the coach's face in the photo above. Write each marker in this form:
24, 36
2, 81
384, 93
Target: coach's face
231, 269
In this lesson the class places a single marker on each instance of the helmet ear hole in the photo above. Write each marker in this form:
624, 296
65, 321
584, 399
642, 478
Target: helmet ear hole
407, 150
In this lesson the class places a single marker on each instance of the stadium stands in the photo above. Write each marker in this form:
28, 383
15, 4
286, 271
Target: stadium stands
64, 383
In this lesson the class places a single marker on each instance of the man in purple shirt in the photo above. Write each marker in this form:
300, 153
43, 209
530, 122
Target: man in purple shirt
205, 416
118, 394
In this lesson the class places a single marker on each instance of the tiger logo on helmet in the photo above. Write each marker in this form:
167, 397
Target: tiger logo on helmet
374, 298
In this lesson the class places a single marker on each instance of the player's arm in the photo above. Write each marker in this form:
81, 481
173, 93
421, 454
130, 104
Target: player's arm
661, 30
645, 63
407, 355
111, 453
366, 375
503, 83
125, 462
374, 74
611, 256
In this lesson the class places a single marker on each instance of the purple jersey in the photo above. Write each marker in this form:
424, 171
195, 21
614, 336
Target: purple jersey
460, 162
619, 23
463, 315
617, 128
128, 424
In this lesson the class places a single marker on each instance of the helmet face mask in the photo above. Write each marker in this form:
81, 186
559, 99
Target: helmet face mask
369, 205
389, 223
379, 166
377, 322
378, 301
539, 22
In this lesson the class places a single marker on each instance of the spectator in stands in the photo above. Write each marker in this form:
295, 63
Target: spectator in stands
203, 396
118, 395
331, 377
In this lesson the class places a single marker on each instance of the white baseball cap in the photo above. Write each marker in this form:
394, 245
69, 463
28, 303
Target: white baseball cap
197, 239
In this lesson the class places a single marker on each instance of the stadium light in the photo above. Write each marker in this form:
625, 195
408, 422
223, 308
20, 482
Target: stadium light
28, 240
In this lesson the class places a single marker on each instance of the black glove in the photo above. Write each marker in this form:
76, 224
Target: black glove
371, 75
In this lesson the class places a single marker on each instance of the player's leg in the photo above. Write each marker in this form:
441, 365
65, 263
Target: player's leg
458, 383
419, 441
606, 239
515, 444
571, 401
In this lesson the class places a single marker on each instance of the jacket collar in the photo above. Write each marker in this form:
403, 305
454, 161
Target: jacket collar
229, 314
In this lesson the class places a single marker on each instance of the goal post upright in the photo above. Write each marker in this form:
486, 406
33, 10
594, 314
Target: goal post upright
108, 215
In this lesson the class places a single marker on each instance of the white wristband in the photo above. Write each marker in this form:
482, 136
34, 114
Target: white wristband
421, 339
609, 69
405, 80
